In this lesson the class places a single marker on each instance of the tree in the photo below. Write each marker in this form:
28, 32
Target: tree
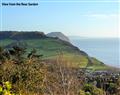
61, 78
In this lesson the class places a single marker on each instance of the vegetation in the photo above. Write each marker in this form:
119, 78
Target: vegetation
5, 88
50, 48
29, 74
40, 65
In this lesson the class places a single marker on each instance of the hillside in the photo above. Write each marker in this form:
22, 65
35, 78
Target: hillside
15, 35
49, 47
58, 35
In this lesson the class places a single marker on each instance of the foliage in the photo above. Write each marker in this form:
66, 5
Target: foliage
81, 92
24, 73
5, 88
62, 79
32, 75
92, 90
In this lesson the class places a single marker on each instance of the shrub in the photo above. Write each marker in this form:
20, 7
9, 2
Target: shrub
81, 92
92, 90
5, 88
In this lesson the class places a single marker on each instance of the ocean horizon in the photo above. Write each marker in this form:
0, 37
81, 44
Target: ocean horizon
104, 49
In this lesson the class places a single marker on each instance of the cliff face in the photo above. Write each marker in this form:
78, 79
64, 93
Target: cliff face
58, 35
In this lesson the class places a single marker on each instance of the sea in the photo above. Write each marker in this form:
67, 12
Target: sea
106, 50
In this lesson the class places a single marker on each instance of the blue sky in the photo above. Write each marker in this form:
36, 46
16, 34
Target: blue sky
87, 18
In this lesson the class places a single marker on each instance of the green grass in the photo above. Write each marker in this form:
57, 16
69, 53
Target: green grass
72, 59
99, 67
51, 48
6, 42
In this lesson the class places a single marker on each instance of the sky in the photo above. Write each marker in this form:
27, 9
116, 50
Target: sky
85, 18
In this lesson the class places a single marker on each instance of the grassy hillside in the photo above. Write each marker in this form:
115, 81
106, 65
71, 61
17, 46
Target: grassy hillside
51, 48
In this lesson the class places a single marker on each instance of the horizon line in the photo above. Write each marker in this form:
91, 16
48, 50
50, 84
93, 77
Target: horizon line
61, 32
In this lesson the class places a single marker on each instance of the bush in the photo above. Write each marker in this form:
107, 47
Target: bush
82, 92
26, 74
5, 88
92, 90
